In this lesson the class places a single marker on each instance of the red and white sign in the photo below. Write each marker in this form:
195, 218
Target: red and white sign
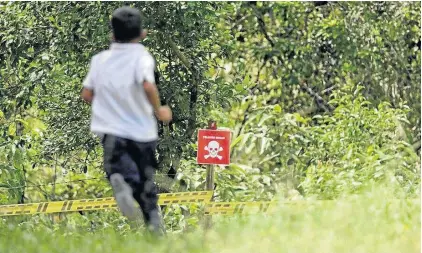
213, 147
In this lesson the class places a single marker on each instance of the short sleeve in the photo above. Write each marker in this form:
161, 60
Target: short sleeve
89, 80
147, 69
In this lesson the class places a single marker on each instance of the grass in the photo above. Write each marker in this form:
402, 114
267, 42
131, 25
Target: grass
371, 222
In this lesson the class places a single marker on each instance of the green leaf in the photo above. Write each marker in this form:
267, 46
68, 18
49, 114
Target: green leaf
236, 141
239, 87
12, 130
263, 145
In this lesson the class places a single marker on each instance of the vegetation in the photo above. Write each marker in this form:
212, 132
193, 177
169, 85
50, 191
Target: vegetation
368, 223
323, 99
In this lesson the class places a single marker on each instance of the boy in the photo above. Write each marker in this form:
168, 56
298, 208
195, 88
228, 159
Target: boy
121, 87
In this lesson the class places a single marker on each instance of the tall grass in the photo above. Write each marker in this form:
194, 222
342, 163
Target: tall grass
371, 222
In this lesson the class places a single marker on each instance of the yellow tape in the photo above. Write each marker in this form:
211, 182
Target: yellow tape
99, 204
222, 208
230, 208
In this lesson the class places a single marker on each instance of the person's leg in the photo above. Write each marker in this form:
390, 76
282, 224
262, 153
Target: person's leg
146, 194
122, 174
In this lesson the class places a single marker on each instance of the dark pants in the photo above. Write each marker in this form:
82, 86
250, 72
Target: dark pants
136, 162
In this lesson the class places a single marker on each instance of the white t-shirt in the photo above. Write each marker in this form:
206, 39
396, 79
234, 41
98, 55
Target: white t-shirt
120, 106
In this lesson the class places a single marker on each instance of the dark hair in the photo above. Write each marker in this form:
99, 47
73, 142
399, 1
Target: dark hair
126, 24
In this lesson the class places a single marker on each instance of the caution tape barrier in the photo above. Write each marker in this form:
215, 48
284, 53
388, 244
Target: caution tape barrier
234, 208
230, 208
211, 208
99, 204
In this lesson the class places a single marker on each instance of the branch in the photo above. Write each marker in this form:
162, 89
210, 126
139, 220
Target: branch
238, 22
245, 118
329, 89
262, 26
178, 53
318, 99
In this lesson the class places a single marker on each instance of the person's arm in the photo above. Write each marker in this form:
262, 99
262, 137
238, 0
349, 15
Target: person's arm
87, 93
152, 94
163, 113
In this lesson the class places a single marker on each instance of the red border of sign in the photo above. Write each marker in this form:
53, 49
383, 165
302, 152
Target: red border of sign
217, 130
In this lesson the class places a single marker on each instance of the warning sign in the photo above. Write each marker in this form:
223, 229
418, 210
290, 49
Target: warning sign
213, 147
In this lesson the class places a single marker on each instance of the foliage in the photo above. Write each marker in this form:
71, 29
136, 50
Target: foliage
325, 155
372, 222
323, 100
313, 109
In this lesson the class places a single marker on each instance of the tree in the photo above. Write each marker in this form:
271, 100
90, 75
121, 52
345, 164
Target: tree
322, 97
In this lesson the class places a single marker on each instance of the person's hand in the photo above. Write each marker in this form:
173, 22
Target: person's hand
164, 114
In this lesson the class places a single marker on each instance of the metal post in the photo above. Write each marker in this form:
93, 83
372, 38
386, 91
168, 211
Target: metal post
209, 186
209, 180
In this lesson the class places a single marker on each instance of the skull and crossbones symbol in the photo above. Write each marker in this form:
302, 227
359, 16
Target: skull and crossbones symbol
213, 148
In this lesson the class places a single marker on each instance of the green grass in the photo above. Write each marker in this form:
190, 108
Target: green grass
372, 222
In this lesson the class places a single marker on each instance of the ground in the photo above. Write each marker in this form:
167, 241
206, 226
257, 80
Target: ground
372, 222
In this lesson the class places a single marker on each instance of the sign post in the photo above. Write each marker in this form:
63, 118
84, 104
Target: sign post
213, 149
